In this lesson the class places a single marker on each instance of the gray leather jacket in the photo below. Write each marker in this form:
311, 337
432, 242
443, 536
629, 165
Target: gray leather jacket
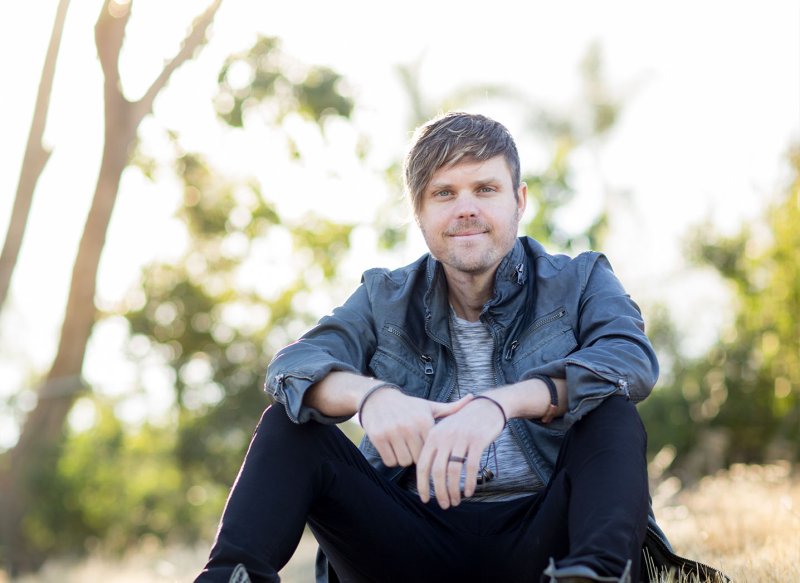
550, 314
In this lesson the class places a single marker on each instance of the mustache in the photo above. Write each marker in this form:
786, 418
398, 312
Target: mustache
470, 226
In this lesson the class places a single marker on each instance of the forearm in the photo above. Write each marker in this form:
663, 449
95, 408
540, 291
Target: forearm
530, 399
339, 393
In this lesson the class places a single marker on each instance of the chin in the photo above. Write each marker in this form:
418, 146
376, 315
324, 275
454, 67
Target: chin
473, 266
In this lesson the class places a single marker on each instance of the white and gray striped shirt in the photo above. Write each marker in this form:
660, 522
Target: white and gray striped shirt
473, 348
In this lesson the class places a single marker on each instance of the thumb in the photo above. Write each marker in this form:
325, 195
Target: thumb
440, 410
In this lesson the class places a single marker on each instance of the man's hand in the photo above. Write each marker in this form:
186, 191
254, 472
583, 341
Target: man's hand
404, 428
398, 425
465, 433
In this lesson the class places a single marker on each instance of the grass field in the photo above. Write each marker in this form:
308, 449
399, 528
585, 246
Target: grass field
745, 521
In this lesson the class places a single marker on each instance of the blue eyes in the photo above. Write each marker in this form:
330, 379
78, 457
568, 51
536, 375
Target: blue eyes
446, 193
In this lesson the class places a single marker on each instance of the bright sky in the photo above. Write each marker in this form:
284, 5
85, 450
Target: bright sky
712, 91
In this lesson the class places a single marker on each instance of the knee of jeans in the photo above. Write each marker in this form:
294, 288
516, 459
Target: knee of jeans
615, 418
614, 410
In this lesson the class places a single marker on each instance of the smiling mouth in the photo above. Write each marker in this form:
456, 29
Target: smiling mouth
468, 230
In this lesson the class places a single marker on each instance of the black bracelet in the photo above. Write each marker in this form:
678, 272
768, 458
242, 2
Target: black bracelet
499, 406
551, 386
371, 391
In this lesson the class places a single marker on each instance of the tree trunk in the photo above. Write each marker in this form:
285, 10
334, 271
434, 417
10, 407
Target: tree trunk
35, 159
42, 431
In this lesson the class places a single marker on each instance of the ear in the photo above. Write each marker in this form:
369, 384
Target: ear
522, 199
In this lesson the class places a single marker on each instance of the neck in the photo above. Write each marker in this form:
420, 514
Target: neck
468, 293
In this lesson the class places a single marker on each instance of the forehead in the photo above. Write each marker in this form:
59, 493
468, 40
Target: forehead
468, 168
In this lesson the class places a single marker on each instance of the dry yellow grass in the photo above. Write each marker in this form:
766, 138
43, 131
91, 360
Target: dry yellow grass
745, 521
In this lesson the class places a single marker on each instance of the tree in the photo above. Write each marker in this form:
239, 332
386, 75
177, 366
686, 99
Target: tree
34, 160
214, 333
42, 430
740, 402
196, 323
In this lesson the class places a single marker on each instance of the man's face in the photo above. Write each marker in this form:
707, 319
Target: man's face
469, 215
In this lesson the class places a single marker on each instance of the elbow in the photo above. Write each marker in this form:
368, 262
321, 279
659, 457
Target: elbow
646, 380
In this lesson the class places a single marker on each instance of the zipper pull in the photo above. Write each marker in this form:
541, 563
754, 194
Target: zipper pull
427, 362
623, 385
520, 273
511, 349
280, 380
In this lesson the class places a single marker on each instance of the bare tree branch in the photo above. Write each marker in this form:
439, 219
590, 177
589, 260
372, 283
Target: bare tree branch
109, 34
43, 428
34, 160
195, 38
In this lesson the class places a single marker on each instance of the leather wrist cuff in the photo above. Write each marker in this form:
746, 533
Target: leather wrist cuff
552, 409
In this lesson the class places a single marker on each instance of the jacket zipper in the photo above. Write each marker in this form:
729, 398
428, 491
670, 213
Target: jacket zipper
619, 382
512, 427
449, 395
552, 318
511, 349
427, 361
281, 381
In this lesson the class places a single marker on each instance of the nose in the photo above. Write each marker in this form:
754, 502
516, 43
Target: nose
466, 206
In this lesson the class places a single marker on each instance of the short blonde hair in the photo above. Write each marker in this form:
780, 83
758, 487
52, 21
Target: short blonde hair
450, 138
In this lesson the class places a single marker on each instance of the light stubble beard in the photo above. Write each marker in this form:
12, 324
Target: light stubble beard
487, 260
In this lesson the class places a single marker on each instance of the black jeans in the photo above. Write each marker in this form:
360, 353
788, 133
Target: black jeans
593, 512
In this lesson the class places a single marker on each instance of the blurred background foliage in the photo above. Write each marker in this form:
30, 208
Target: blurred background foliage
739, 401
210, 329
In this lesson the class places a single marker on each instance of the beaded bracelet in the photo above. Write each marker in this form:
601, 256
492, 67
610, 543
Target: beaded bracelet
552, 409
371, 391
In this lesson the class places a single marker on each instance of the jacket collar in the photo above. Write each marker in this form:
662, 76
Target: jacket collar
510, 279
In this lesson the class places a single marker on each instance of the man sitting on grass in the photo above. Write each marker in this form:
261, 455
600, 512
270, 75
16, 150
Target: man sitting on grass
496, 386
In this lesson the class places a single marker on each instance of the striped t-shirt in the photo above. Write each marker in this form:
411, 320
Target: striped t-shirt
473, 348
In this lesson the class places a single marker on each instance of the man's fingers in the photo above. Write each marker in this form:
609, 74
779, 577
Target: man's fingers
397, 425
407, 444
386, 452
471, 472
403, 454
439, 474
415, 444
423, 475
454, 469
453, 433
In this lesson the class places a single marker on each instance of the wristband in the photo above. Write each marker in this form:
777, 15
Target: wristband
552, 409
499, 406
371, 391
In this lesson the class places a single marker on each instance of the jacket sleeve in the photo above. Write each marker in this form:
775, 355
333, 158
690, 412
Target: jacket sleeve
614, 356
341, 341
